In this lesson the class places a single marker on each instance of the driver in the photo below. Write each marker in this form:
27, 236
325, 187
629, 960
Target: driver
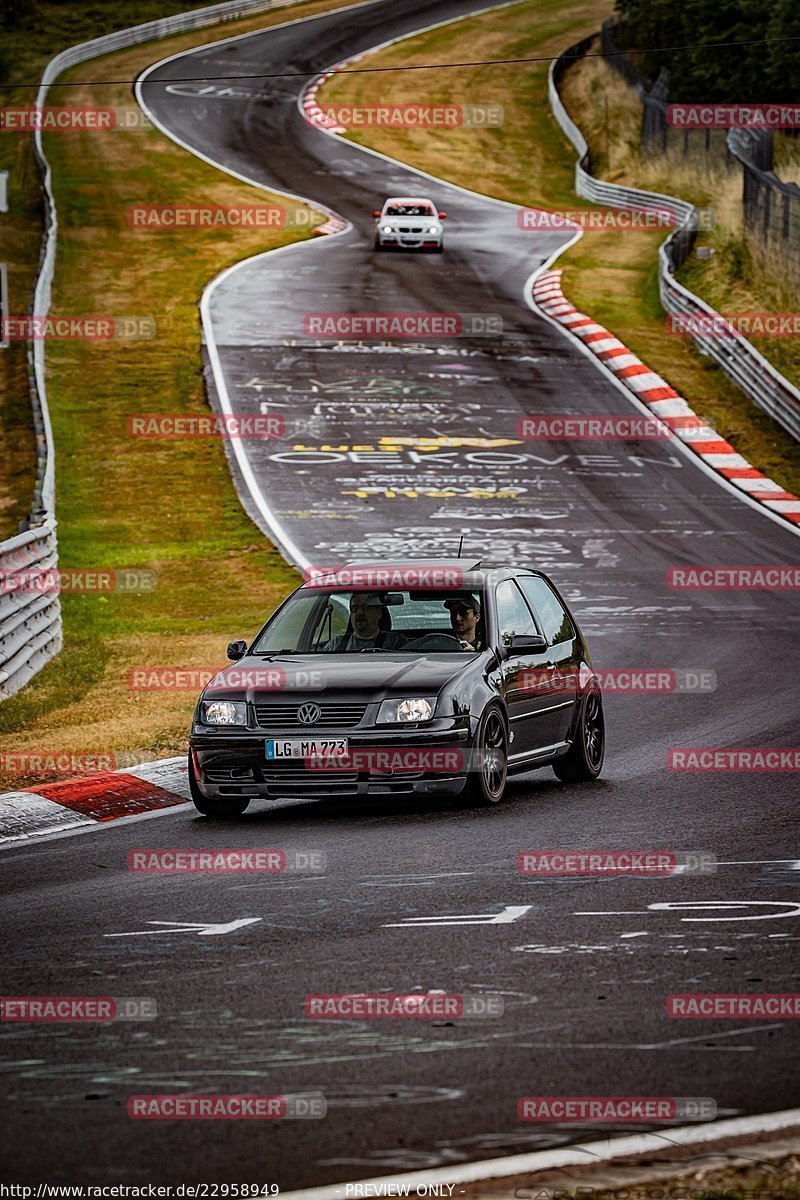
465, 612
366, 610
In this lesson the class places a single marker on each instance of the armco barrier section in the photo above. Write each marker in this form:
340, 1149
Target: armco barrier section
30, 619
737, 357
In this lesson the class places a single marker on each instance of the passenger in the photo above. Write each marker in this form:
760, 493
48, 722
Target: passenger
367, 615
465, 613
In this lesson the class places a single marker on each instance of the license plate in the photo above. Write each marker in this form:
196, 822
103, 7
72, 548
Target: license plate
306, 747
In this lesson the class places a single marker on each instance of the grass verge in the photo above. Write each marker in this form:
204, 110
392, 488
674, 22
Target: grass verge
610, 273
165, 506
41, 30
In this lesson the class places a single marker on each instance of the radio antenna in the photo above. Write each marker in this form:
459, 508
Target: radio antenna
460, 544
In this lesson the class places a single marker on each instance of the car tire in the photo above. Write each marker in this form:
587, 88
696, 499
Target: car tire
378, 245
583, 762
486, 782
217, 810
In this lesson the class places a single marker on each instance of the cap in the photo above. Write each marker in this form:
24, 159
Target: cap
468, 600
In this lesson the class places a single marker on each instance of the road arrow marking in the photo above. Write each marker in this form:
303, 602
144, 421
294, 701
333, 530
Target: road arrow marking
511, 912
202, 928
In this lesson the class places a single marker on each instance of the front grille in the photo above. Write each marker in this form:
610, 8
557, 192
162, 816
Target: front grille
340, 716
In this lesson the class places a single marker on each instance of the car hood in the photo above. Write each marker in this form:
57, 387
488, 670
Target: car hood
368, 675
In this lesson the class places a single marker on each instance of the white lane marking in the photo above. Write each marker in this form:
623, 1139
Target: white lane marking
201, 928
791, 909
581, 1154
794, 863
511, 912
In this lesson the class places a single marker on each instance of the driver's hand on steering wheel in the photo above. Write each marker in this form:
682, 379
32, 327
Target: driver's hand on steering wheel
466, 646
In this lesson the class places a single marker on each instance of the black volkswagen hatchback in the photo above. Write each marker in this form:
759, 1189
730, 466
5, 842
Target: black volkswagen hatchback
432, 678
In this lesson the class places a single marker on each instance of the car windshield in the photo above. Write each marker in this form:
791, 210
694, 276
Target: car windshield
409, 210
405, 622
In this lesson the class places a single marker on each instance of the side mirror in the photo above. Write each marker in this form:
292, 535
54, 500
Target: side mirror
442, 216
237, 650
525, 643
376, 213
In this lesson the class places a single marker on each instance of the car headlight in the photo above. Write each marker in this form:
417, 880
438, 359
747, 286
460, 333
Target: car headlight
435, 229
223, 712
388, 229
405, 711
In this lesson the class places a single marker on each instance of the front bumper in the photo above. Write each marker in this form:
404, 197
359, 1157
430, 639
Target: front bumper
234, 764
409, 241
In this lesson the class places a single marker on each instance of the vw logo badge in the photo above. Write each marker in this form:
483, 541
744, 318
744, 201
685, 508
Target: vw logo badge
309, 714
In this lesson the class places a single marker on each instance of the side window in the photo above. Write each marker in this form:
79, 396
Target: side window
553, 618
513, 614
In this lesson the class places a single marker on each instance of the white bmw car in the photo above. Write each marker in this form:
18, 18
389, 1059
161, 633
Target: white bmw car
409, 223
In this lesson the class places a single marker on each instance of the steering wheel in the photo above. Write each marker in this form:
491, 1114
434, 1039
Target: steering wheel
433, 641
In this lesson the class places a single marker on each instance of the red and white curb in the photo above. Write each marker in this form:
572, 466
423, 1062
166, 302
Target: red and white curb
312, 111
315, 116
663, 400
309, 105
93, 799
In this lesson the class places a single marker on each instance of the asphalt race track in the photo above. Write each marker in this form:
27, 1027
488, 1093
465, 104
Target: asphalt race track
584, 965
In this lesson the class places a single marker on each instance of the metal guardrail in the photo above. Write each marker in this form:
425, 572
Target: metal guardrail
770, 390
30, 621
